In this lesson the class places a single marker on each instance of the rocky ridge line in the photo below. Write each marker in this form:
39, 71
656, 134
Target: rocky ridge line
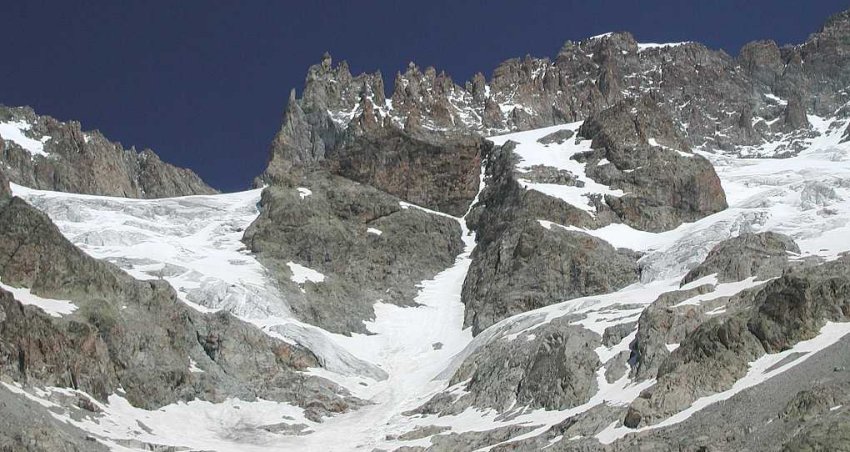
60, 156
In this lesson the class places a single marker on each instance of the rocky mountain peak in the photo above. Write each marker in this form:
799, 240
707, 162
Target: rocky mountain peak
837, 24
333, 87
762, 60
583, 259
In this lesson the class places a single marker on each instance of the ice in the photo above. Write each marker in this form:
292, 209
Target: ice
195, 244
231, 425
763, 195
14, 131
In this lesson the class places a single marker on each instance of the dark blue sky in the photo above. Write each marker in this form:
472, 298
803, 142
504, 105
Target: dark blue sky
204, 83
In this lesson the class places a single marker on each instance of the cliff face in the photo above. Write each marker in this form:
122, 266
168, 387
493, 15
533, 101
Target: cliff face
720, 103
595, 274
41, 152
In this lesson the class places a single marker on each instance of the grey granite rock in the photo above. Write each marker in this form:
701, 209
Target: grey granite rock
543, 174
328, 231
519, 265
27, 426
661, 324
718, 351
135, 335
831, 433
763, 255
556, 137
441, 174
794, 307
86, 162
5, 192
722, 102
529, 267
552, 367
665, 184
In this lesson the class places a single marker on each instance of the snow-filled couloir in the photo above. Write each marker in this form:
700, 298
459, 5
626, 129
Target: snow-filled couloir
194, 243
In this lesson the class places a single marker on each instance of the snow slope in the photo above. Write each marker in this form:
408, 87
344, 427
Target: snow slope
194, 244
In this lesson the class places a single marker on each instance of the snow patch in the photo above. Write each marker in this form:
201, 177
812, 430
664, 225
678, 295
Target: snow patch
651, 45
231, 425
54, 308
302, 274
559, 156
14, 131
761, 370
193, 367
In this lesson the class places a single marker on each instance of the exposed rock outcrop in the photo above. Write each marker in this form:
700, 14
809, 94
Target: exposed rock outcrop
529, 267
61, 156
557, 137
27, 426
5, 192
665, 184
764, 255
552, 367
696, 86
343, 124
134, 335
831, 433
328, 231
519, 264
439, 174
772, 318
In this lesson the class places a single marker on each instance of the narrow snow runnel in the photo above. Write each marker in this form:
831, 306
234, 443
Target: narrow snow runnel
195, 244
403, 345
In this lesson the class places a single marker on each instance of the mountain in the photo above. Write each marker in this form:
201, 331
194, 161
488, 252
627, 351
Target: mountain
628, 247
41, 152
